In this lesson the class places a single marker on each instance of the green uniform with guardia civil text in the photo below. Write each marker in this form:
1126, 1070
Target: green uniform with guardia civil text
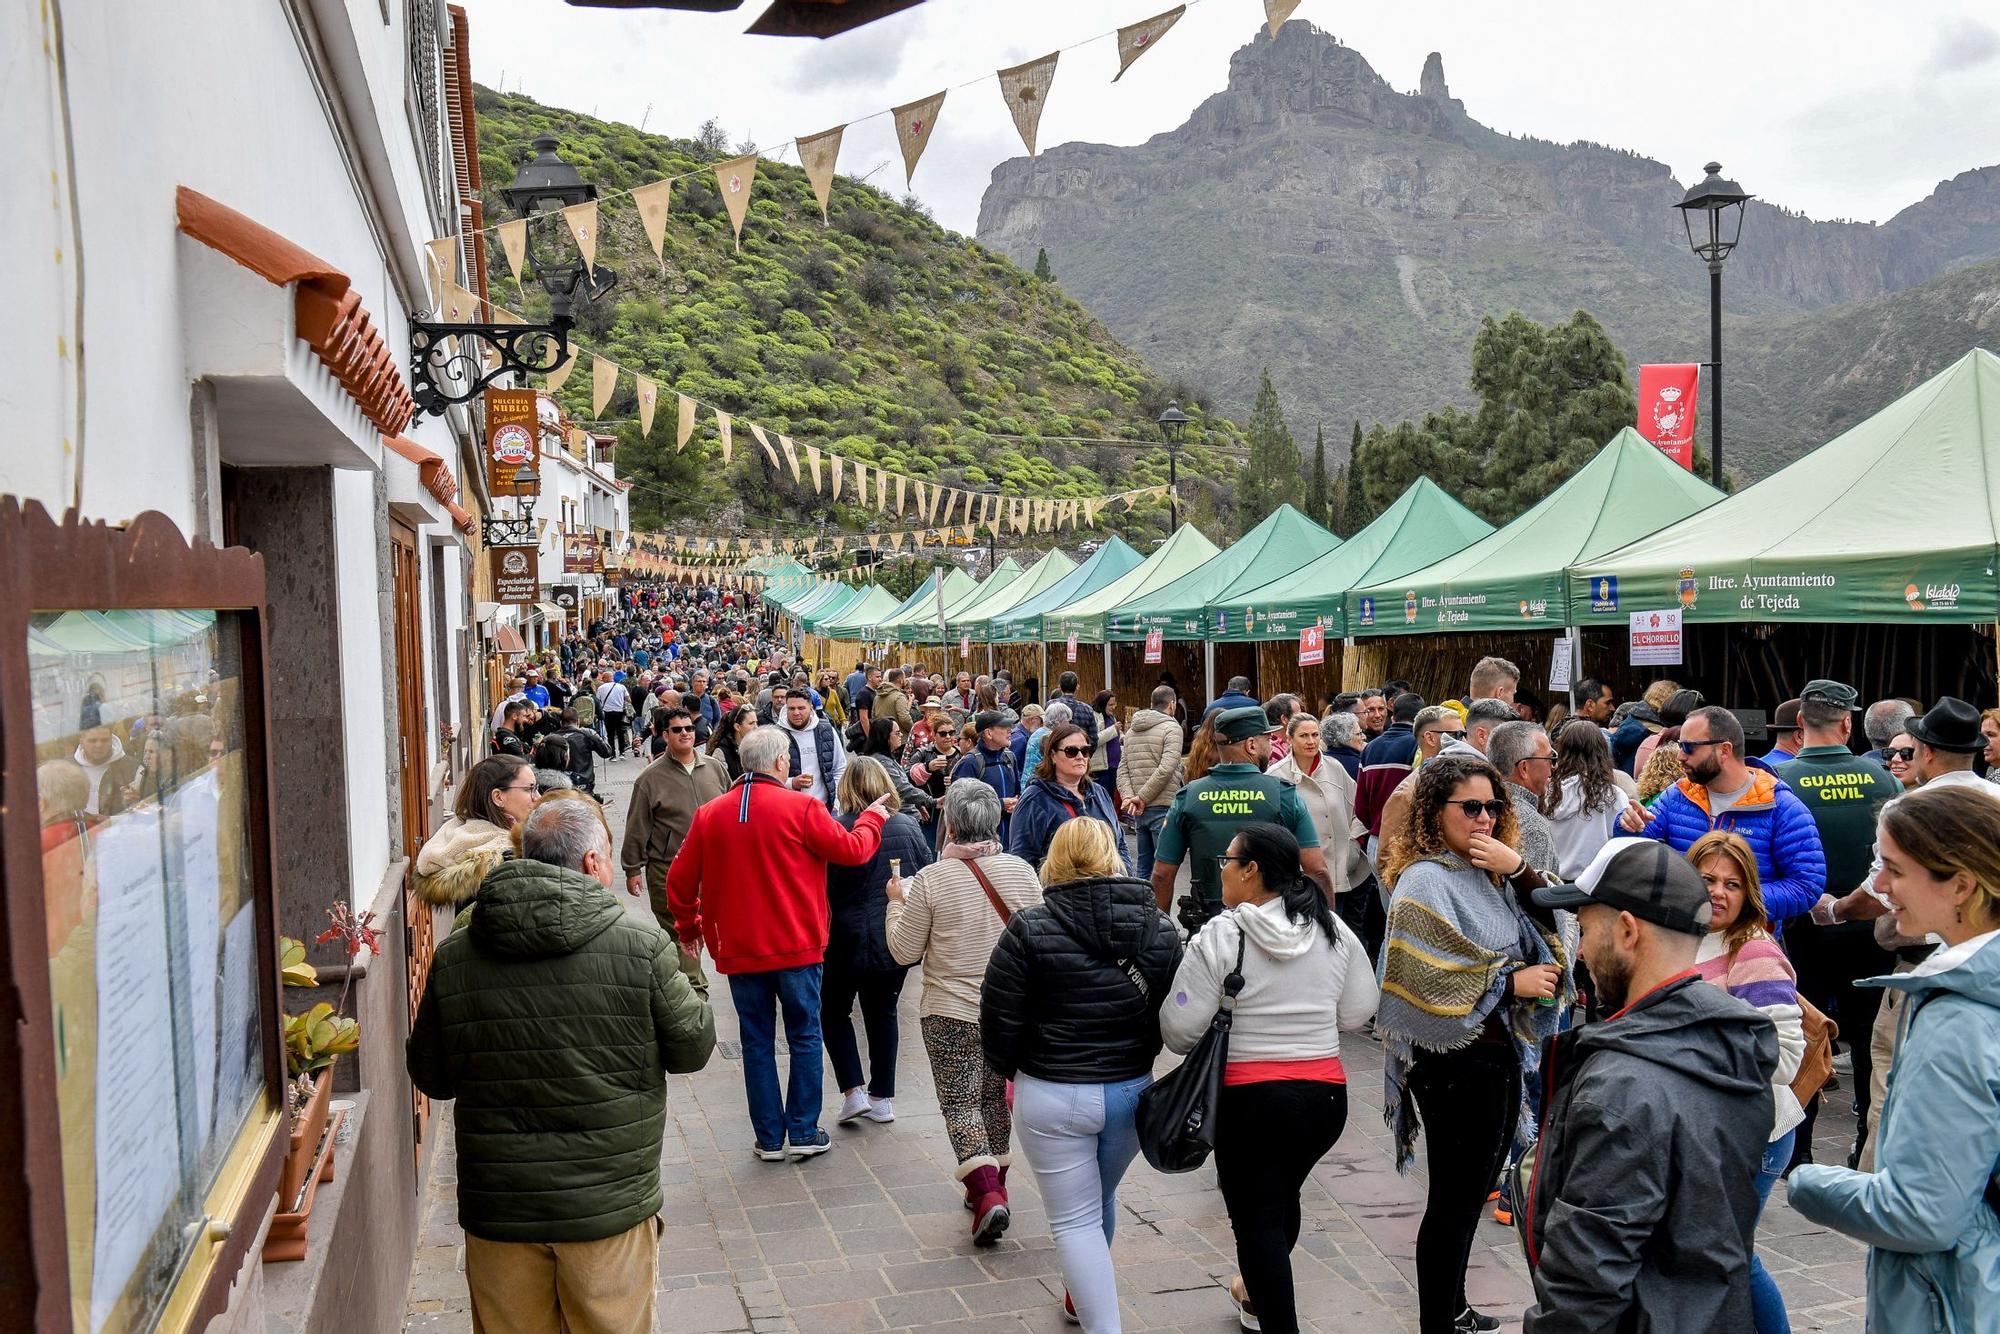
1207, 813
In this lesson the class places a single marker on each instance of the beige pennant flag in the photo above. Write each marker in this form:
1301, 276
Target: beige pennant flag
901, 482
579, 441
603, 383
514, 245
686, 426
649, 397
443, 262
1276, 12
764, 441
653, 202
860, 482
914, 123
1135, 40
791, 456
1026, 88
838, 467
812, 466
881, 489
456, 305
722, 424
582, 220
733, 180
560, 375
817, 154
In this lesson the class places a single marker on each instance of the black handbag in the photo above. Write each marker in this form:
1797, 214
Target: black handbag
1176, 1116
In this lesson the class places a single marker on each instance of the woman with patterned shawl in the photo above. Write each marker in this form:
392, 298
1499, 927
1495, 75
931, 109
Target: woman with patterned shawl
1473, 978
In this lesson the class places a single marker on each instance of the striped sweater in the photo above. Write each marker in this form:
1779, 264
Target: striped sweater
1759, 974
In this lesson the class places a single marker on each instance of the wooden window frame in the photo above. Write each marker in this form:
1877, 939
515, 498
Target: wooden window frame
83, 565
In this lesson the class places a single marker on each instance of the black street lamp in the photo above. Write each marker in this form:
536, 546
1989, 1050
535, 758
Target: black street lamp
1723, 202
1172, 423
443, 371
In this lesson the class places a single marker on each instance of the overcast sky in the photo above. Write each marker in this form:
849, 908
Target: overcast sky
1837, 108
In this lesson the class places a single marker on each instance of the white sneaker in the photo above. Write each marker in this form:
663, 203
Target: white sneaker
856, 1104
881, 1109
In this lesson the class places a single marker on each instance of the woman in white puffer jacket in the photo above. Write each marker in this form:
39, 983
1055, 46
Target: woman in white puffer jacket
1284, 1095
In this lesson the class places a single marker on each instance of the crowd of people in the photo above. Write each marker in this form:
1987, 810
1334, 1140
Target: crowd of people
1607, 952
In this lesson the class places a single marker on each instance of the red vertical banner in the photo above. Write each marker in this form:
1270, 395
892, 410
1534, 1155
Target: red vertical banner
1070, 650
1666, 409
1153, 639
1312, 646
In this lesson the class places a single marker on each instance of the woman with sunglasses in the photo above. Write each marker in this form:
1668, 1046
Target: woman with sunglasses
1059, 792
1284, 1092
1473, 980
496, 795
1900, 755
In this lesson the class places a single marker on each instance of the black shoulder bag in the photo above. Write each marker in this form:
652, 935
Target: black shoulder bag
1176, 1116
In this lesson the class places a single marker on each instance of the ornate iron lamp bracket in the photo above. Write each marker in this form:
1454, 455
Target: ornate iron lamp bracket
444, 372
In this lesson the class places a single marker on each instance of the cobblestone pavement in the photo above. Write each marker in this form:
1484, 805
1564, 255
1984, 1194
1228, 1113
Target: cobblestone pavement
872, 1236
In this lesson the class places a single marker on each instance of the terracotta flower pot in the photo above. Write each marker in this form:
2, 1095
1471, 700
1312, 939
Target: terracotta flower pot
302, 1149
286, 1237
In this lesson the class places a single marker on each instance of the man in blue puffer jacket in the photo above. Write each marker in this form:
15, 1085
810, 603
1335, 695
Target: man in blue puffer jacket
1725, 791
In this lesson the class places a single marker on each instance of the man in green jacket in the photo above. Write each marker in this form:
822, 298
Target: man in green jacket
551, 1016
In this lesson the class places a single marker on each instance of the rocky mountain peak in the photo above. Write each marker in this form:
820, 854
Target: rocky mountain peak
1433, 84
1305, 72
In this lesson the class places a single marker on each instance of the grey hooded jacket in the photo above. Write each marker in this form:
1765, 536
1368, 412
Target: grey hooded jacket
1643, 1204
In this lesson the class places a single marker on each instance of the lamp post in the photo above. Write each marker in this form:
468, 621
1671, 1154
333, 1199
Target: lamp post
443, 369
1172, 423
1722, 201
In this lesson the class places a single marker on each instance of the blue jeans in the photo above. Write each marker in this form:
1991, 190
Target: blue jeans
758, 998
1767, 1304
1151, 821
1079, 1139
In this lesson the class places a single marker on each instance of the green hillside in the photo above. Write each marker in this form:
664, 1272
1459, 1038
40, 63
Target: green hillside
881, 337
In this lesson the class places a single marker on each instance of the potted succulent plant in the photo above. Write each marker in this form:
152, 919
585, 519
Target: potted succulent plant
314, 1042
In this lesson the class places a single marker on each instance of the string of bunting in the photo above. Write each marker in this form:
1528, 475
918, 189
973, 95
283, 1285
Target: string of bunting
1024, 88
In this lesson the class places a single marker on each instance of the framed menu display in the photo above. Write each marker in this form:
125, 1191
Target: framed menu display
138, 909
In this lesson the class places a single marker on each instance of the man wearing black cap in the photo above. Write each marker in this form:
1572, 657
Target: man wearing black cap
1844, 792
1643, 1204
1207, 813
992, 762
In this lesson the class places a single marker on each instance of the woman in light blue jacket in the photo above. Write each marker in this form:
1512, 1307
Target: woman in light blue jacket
1927, 1212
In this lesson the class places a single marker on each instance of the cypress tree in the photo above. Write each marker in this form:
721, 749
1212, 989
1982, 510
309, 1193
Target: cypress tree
1274, 473
1043, 270
1319, 495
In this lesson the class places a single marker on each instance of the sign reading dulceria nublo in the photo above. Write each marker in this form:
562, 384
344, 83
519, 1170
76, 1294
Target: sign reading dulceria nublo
513, 574
512, 429
580, 553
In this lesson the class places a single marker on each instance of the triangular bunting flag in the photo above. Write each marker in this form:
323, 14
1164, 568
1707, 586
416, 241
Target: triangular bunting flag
722, 423
560, 375
1026, 88
838, 466
791, 456
881, 489
914, 123
1276, 12
1135, 40
770, 454
860, 482
456, 305
603, 383
649, 397
653, 202
733, 180
817, 153
514, 245
582, 220
685, 428
812, 465
900, 483
443, 262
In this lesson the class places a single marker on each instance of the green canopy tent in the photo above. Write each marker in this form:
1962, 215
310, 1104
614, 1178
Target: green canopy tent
1422, 525
1284, 541
1512, 579
970, 620
1504, 594
922, 607
926, 632
858, 619
829, 598
1841, 534
1023, 621
1088, 618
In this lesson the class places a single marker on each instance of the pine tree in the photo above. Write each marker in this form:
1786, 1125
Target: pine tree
1337, 505
1043, 269
1274, 473
1319, 495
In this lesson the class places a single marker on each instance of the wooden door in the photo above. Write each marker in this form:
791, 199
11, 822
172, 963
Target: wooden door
412, 723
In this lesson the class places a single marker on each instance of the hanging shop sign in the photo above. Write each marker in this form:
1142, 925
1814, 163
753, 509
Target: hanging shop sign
579, 553
1153, 638
513, 570
512, 429
1656, 638
1312, 646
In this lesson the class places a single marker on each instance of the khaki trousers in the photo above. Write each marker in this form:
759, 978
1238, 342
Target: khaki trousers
1882, 1050
656, 887
565, 1287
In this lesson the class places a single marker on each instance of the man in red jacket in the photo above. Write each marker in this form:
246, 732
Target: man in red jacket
749, 885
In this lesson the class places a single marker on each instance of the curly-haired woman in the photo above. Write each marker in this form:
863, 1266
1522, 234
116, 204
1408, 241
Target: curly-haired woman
1472, 982
1584, 799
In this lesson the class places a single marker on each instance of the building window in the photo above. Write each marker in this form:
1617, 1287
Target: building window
426, 88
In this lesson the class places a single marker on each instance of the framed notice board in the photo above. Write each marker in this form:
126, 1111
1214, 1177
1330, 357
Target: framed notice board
141, 1075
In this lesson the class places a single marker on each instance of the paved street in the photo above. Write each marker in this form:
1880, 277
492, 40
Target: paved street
873, 1235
